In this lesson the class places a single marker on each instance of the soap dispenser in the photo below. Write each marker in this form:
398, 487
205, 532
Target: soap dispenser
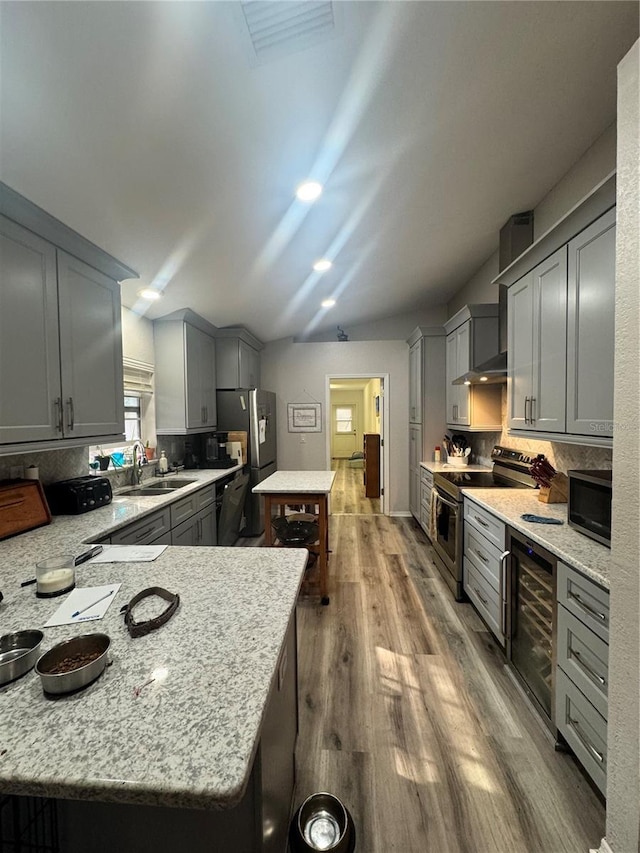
163, 464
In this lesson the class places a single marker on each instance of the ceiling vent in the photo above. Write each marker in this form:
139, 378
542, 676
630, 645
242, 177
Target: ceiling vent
278, 28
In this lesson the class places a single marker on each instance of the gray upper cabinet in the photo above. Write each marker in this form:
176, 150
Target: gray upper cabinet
415, 382
590, 328
60, 344
561, 339
185, 375
536, 350
472, 337
237, 359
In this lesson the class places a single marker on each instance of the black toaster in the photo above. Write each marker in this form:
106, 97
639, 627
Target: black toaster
77, 495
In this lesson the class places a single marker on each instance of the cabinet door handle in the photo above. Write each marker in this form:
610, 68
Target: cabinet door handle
594, 675
532, 409
584, 740
585, 606
59, 416
483, 600
526, 402
480, 521
503, 591
72, 417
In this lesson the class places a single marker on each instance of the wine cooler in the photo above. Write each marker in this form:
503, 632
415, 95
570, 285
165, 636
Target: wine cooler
532, 621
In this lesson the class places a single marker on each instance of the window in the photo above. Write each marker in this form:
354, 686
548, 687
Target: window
344, 419
132, 417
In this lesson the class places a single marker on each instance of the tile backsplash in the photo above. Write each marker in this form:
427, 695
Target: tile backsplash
563, 457
53, 465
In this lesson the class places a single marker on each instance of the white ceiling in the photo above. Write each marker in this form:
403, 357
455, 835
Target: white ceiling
151, 129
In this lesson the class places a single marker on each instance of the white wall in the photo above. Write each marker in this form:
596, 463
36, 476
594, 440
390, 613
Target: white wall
391, 328
297, 373
137, 337
595, 164
623, 785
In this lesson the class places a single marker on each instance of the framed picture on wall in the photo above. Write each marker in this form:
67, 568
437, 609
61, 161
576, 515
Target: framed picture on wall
304, 417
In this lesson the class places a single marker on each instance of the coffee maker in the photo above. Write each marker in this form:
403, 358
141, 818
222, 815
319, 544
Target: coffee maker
215, 451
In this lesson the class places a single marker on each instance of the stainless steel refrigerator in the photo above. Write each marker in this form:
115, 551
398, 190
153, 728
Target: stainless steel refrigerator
253, 411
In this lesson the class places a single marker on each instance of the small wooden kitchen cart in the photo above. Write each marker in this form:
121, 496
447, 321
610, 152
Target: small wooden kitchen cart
295, 489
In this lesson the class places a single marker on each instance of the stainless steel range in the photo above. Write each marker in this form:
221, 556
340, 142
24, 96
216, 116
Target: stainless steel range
511, 470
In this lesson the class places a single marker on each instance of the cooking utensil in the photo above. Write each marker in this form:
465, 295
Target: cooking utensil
73, 663
18, 653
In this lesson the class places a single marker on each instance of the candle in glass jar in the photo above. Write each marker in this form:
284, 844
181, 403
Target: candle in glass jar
55, 575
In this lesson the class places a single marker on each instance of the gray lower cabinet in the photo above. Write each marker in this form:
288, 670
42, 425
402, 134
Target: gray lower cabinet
185, 393
426, 488
582, 672
484, 567
258, 824
146, 531
415, 455
187, 521
60, 344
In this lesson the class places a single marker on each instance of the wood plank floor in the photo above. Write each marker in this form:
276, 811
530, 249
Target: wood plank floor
347, 494
408, 714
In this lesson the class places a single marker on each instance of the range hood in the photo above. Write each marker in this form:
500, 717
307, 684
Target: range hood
494, 370
515, 236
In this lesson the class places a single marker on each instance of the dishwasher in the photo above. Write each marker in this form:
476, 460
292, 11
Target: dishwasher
231, 493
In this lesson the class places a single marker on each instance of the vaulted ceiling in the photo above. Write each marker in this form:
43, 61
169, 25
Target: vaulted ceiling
158, 131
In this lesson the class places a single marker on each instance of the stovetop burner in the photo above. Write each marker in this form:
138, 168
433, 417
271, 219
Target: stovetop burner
511, 470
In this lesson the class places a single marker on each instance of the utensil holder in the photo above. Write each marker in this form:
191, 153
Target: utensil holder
557, 492
458, 461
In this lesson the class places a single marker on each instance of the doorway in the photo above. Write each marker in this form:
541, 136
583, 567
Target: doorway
356, 404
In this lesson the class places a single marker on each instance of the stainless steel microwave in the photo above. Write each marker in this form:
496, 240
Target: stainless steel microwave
589, 504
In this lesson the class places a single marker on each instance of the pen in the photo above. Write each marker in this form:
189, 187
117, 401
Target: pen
89, 606
87, 555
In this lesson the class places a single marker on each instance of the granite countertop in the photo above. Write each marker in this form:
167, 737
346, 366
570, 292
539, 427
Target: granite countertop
189, 737
297, 482
573, 548
445, 466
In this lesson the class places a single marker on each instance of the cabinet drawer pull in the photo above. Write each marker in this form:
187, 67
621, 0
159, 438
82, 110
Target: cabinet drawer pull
584, 740
483, 600
586, 666
480, 521
481, 556
585, 606
144, 532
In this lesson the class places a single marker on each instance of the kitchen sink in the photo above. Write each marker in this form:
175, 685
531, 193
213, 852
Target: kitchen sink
154, 488
175, 483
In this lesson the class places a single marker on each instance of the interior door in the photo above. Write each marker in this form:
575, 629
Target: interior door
344, 421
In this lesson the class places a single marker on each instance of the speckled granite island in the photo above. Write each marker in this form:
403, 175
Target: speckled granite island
185, 742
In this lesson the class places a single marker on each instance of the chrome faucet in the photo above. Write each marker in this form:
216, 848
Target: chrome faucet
137, 455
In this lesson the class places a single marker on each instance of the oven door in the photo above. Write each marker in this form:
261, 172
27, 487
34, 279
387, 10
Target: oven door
448, 540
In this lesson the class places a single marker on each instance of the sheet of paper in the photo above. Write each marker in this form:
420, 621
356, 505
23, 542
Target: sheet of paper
89, 602
129, 554
262, 430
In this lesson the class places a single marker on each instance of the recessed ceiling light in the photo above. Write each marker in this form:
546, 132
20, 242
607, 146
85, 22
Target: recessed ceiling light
328, 303
466, 382
309, 191
322, 265
484, 379
149, 293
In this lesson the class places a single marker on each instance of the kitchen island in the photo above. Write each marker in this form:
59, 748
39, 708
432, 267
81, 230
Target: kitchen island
293, 488
185, 742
